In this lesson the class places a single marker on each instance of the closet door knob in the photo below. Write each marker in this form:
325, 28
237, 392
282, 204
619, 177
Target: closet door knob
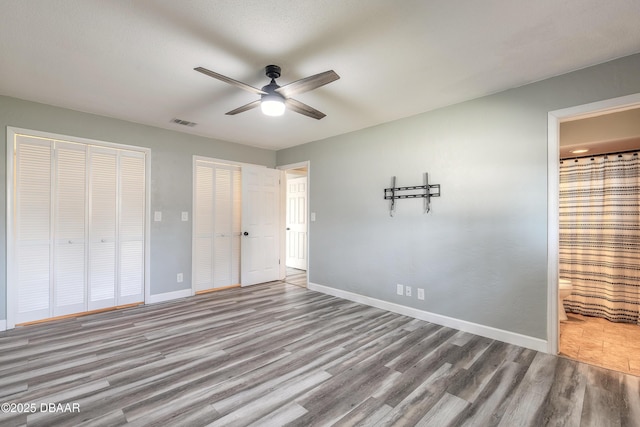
246, 233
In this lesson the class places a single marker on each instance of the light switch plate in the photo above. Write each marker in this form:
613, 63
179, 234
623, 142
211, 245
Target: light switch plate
420, 293
180, 278
157, 216
185, 216
400, 289
313, 216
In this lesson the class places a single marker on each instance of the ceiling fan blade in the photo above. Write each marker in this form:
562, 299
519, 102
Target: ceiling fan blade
244, 108
303, 109
308, 83
231, 81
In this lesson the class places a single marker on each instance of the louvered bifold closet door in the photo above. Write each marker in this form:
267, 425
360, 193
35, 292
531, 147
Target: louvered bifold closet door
227, 209
77, 228
32, 229
223, 237
236, 225
203, 227
70, 231
217, 210
131, 228
103, 187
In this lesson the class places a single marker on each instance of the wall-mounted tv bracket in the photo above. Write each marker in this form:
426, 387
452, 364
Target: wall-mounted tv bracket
413, 192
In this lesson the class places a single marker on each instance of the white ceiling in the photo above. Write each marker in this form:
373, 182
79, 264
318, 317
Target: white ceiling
134, 60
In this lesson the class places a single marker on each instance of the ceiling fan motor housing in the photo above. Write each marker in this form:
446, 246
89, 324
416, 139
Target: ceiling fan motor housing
272, 71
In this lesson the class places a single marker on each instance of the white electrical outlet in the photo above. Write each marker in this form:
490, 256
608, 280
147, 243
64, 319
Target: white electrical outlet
407, 291
157, 216
185, 216
180, 277
400, 289
420, 293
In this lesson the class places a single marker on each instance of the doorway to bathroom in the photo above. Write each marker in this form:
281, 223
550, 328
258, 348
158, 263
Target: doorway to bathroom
597, 227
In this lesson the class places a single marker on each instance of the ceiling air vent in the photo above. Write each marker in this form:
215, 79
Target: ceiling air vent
184, 122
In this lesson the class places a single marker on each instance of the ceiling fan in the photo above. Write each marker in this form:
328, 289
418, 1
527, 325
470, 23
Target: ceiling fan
274, 98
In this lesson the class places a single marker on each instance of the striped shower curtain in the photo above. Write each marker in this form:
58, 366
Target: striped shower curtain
600, 235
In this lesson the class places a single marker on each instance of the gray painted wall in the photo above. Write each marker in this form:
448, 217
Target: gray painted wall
481, 254
171, 178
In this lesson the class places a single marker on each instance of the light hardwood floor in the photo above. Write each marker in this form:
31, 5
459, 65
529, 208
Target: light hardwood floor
278, 354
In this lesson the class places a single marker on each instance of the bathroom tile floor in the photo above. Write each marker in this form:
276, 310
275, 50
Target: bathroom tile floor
602, 343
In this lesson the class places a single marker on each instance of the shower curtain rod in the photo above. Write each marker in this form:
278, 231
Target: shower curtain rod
601, 154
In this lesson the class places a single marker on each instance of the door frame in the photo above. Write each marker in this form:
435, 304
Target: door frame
283, 216
10, 204
193, 198
554, 119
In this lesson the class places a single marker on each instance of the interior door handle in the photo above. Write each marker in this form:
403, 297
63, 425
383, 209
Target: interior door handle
246, 233
288, 229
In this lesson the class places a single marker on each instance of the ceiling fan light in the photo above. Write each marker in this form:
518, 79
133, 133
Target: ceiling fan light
272, 105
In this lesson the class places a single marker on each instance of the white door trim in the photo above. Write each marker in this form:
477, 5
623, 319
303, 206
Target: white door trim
283, 218
553, 192
10, 261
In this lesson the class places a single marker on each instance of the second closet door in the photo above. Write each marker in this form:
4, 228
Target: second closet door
69, 267
130, 285
226, 240
103, 195
217, 226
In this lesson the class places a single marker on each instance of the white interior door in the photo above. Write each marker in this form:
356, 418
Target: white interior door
69, 247
217, 210
31, 282
260, 225
103, 197
131, 228
297, 222
226, 239
203, 226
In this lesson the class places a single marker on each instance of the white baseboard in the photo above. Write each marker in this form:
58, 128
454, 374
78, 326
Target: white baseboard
450, 322
3, 325
168, 296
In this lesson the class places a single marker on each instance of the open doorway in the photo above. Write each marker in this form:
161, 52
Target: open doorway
296, 223
589, 332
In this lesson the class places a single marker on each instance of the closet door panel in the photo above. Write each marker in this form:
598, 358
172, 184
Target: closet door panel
103, 227
222, 216
32, 232
69, 228
236, 224
203, 228
131, 228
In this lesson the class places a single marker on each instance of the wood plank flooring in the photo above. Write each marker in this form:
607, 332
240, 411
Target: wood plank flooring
277, 354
